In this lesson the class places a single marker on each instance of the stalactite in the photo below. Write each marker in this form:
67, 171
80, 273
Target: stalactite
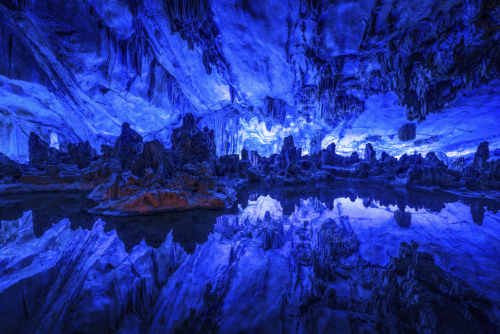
23, 4
226, 125
174, 92
233, 92
193, 21
315, 145
276, 110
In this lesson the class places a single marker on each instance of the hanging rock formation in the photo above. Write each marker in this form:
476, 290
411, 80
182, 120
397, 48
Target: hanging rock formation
407, 132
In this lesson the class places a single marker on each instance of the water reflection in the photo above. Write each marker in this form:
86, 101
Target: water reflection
188, 228
193, 227
327, 192
337, 237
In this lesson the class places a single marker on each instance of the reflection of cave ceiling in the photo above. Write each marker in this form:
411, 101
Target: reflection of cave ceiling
309, 68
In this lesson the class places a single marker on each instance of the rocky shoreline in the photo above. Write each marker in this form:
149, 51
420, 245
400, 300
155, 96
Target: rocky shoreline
135, 177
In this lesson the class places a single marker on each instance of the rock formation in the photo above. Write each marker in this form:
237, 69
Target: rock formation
127, 146
407, 132
41, 154
157, 181
445, 302
313, 269
369, 152
9, 169
154, 156
402, 218
82, 154
482, 155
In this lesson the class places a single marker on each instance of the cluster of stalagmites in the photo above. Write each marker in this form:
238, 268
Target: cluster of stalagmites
146, 177
291, 167
133, 177
153, 179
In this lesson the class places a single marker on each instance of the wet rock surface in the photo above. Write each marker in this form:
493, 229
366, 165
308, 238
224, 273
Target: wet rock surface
309, 92
157, 178
442, 299
134, 177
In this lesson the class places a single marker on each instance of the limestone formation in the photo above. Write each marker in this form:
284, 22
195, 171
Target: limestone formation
82, 154
369, 152
402, 218
127, 146
482, 155
9, 169
407, 132
41, 154
190, 145
412, 276
154, 156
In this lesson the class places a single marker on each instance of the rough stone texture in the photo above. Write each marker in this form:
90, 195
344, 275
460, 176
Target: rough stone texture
402, 218
328, 155
82, 154
254, 158
253, 174
288, 153
9, 169
127, 146
192, 187
455, 173
159, 183
244, 154
323, 273
414, 53
413, 275
369, 152
154, 156
57, 177
101, 170
363, 169
471, 172
228, 164
482, 155
407, 132
190, 145
41, 154
181, 134
426, 141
